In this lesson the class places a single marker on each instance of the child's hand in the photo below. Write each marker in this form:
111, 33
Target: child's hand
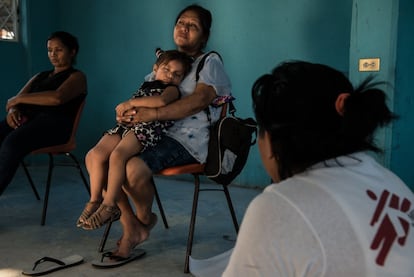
122, 108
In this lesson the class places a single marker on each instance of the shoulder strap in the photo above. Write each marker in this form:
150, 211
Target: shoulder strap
202, 61
200, 66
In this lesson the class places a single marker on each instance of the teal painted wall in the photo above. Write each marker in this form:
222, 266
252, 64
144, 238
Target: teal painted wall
20, 60
366, 42
13, 70
402, 158
118, 37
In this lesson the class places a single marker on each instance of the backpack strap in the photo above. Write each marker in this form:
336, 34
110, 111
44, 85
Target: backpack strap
200, 66
202, 62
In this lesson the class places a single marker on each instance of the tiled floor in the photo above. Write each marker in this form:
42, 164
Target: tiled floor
23, 240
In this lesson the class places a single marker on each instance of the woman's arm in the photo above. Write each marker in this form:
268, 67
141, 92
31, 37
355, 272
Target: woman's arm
186, 106
276, 239
194, 103
72, 87
213, 82
14, 117
170, 94
25, 90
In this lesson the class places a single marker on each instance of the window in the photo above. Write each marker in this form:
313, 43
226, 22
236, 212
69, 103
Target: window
9, 20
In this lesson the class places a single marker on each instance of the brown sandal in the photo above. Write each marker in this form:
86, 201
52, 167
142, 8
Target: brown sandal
103, 215
89, 209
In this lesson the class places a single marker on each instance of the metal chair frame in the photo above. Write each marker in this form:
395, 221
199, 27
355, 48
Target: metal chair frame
62, 149
196, 170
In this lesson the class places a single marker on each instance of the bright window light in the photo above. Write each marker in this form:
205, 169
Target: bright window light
9, 19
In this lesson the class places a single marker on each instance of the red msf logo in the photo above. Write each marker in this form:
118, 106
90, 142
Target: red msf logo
391, 221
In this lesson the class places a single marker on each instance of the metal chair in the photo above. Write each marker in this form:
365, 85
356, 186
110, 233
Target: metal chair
62, 149
196, 170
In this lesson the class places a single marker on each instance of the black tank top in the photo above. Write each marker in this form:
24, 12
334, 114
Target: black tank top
45, 81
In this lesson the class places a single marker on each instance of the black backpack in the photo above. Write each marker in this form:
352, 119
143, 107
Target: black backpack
230, 141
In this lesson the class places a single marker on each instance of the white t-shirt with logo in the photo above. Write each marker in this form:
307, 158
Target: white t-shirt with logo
341, 221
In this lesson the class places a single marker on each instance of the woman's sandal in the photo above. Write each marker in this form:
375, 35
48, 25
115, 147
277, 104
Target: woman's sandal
89, 209
103, 215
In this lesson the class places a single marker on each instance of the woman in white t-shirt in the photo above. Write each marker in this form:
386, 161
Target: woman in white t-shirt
332, 210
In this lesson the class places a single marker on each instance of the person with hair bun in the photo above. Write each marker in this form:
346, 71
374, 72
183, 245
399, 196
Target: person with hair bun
332, 210
43, 111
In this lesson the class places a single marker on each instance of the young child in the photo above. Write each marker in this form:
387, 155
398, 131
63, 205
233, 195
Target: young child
125, 140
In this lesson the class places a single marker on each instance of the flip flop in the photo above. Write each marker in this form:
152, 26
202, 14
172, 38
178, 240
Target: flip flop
56, 264
108, 260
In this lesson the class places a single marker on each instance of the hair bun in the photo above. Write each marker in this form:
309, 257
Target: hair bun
158, 52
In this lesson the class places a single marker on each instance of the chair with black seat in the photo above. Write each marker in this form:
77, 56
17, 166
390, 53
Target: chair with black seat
61, 149
197, 170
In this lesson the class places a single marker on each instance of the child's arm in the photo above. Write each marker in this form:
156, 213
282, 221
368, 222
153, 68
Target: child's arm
170, 94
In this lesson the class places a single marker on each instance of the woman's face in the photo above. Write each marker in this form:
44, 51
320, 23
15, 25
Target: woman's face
188, 33
59, 54
269, 160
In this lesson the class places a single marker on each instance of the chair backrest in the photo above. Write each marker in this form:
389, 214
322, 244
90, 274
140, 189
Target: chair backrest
71, 143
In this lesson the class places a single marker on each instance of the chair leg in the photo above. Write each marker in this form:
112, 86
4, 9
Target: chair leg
30, 180
48, 183
157, 198
104, 237
85, 182
192, 222
230, 204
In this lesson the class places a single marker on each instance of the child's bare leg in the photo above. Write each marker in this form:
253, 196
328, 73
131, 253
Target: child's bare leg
108, 210
97, 162
126, 148
97, 166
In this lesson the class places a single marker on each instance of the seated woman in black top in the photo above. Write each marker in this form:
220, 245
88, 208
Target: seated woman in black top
42, 113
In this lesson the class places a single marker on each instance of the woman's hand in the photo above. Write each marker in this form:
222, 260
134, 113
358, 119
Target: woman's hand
127, 117
12, 102
142, 115
14, 118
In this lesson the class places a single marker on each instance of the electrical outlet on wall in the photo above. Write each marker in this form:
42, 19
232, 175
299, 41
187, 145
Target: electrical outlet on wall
369, 64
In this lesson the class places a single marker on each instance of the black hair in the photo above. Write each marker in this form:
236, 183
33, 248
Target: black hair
296, 105
69, 40
204, 16
165, 56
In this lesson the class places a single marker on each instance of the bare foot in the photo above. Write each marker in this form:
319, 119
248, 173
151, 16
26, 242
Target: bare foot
135, 234
149, 226
125, 248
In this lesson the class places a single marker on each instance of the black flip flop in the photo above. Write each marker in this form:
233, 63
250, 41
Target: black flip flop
55, 264
108, 260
